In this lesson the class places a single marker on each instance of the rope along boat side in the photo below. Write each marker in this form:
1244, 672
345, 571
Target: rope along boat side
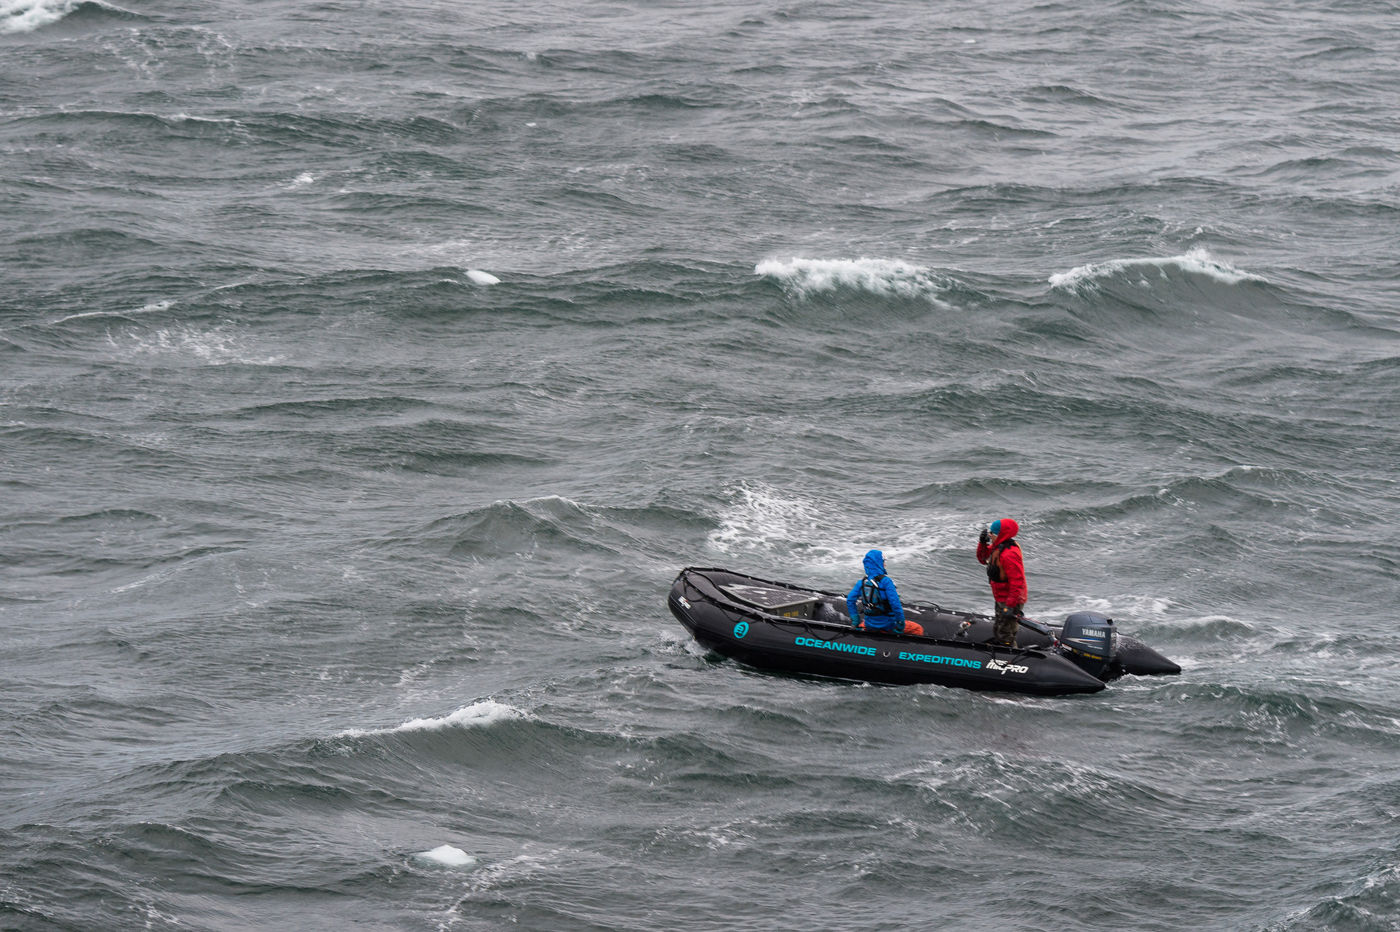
784, 627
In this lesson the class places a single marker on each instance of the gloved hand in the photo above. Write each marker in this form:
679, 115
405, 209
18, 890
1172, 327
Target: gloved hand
984, 538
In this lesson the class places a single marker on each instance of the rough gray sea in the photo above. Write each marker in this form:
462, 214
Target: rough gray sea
369, 370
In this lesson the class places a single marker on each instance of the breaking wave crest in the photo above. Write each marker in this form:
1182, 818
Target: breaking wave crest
28, 15
1196, 262
884, 277
477, 715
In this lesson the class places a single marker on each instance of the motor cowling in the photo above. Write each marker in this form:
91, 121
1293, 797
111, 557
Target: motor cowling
1091, 641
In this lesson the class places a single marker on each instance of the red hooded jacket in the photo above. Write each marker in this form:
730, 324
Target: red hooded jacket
1005, 570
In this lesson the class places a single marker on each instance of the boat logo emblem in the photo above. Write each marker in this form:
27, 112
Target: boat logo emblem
741, 629
684, 603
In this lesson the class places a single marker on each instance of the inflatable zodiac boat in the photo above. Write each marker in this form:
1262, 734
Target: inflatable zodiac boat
784, 627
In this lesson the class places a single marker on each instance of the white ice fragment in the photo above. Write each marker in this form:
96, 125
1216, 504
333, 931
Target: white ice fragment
448, 856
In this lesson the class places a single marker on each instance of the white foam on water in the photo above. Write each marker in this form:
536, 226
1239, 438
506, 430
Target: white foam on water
151, 308
761, 516
487, 712
876, 276
482, 278
215, 347
477, 715
448, 856
1137, 607
1195, 262
781, 523
29, 15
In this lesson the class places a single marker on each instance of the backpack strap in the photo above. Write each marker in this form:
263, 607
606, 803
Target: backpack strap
876, 602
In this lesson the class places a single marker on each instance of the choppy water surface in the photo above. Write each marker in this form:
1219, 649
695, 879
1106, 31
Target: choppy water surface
367, 372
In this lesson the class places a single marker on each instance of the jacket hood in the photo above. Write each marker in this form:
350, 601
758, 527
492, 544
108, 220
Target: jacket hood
1004, 530
874, 563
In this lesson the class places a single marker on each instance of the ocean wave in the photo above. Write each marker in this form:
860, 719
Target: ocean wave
29, 15
1143, 272
481, 714
1295, 708
1079, 793
458, 278
511, 528
79, 121
1367, 904
1218, 629
435, 449
360, 408
884, 277
552, 526
1279, 493
90, 247
760, 515
190, 345
155, 307
809, 533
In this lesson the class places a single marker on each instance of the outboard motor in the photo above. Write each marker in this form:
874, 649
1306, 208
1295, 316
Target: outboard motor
1091, 641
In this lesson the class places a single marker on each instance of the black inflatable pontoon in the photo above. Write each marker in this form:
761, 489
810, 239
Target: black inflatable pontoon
780, 626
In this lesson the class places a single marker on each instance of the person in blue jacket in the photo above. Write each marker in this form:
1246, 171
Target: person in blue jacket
874, 603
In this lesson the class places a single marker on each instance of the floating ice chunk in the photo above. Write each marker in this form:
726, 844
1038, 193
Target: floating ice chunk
482, 278
448, 856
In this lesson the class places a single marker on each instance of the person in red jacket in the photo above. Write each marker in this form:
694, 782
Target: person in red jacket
998, 551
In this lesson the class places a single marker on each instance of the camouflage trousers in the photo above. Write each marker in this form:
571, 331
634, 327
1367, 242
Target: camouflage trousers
1005, 625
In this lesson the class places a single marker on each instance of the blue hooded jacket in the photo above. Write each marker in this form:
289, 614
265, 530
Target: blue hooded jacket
875, 572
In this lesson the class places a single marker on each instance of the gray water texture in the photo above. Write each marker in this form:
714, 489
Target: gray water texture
368, 372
